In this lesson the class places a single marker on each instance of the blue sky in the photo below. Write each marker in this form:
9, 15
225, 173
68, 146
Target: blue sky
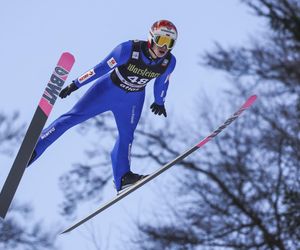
35, 33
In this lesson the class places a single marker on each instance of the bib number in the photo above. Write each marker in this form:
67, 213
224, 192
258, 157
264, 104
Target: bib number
137, 80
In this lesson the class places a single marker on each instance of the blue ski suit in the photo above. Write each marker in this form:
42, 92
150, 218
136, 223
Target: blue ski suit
119, 86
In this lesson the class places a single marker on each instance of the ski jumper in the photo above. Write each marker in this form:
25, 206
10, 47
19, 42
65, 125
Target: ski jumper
120, 81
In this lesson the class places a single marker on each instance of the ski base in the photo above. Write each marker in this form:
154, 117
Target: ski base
33, 133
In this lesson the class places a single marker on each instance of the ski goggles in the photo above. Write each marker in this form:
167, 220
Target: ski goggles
164, 40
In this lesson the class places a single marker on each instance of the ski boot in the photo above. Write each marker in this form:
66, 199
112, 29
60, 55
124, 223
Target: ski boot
130, 179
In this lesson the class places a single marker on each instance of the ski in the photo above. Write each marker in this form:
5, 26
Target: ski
126, 192
33, 133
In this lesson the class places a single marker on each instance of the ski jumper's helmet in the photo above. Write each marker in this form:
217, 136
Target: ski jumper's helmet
162, 33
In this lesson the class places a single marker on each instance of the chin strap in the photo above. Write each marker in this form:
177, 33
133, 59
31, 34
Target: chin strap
149, 46
153, 53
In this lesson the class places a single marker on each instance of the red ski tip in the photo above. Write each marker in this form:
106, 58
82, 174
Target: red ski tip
67, 60
250, 101
246, 105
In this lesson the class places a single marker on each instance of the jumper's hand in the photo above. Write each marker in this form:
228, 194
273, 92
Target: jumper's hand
158, 109
68, 90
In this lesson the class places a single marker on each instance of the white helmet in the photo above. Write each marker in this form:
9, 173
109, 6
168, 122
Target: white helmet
163, 33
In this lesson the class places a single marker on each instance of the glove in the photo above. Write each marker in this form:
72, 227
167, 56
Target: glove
68, 90
158, 109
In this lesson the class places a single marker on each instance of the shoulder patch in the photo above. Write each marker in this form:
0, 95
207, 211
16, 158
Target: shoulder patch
135, 55
112, 62
165, 62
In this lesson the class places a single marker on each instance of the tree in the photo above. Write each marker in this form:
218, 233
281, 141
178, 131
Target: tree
17, 232
248, 198
9, 134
